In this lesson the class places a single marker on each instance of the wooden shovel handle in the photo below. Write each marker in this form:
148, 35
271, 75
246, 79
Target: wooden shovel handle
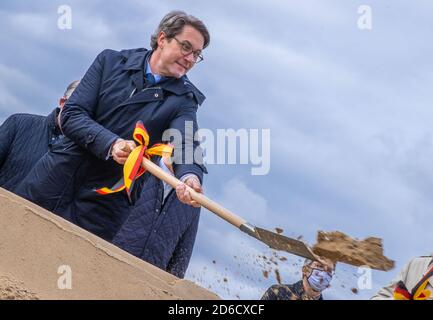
200, 198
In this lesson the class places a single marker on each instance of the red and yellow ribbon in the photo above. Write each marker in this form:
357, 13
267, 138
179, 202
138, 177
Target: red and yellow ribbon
133, 168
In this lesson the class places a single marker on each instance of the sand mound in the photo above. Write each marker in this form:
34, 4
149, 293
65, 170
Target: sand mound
43, 256
11, 289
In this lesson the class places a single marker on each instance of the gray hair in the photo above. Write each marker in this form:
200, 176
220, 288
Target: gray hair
72, 86
172, 24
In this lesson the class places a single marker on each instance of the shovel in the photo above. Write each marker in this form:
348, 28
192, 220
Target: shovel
272, 239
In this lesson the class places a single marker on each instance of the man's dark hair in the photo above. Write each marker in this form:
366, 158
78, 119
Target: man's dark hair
172, 24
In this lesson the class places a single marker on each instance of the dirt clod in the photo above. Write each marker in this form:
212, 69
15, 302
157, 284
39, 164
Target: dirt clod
337, 246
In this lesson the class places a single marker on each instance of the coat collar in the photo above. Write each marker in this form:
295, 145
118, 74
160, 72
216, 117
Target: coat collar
134, 61
298, 289
51, 119
134, 58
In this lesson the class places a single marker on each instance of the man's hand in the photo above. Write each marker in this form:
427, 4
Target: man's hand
121, 150
184, 195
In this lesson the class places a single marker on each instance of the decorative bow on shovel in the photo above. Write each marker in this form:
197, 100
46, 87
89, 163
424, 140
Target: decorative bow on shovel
141, 155
132, 168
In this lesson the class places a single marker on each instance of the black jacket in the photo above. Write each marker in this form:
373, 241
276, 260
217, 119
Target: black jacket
24, 139
287, 292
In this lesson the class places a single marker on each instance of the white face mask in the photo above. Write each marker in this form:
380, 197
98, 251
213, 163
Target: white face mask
319, 280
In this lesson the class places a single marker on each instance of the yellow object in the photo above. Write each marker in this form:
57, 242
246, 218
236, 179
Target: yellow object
132, 168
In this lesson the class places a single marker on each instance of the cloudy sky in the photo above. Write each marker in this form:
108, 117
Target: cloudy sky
348, 109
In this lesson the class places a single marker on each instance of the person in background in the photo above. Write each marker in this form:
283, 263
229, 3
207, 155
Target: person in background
316, 277
25, 138
160, 229
414, 282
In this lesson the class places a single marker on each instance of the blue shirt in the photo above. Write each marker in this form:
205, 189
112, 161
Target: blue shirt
157, 77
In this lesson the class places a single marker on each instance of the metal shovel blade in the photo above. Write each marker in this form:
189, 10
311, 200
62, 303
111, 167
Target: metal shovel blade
279, 242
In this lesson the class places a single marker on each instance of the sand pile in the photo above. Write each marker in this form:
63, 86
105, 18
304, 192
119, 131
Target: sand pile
11, 289
42, 256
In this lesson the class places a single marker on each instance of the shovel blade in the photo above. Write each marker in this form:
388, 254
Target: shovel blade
279, 242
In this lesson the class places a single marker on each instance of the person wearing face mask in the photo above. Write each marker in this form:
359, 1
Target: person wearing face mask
316, 277
25, 138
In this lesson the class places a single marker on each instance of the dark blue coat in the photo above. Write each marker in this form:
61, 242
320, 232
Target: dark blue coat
161, 234
24, 139
102, 109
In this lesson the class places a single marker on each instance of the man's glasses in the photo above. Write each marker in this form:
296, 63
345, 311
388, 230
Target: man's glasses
186, 49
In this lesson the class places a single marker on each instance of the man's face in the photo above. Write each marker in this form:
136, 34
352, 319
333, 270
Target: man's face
173, 62
317, 276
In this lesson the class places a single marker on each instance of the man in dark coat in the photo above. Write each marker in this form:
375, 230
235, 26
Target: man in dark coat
316, 277
100, 118
24, 139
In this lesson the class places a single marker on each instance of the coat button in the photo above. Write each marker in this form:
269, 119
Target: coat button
157, 210
156, 95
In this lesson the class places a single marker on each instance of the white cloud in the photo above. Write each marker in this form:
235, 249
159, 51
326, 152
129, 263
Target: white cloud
90, 32
16, 86
244, 202
32, 24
